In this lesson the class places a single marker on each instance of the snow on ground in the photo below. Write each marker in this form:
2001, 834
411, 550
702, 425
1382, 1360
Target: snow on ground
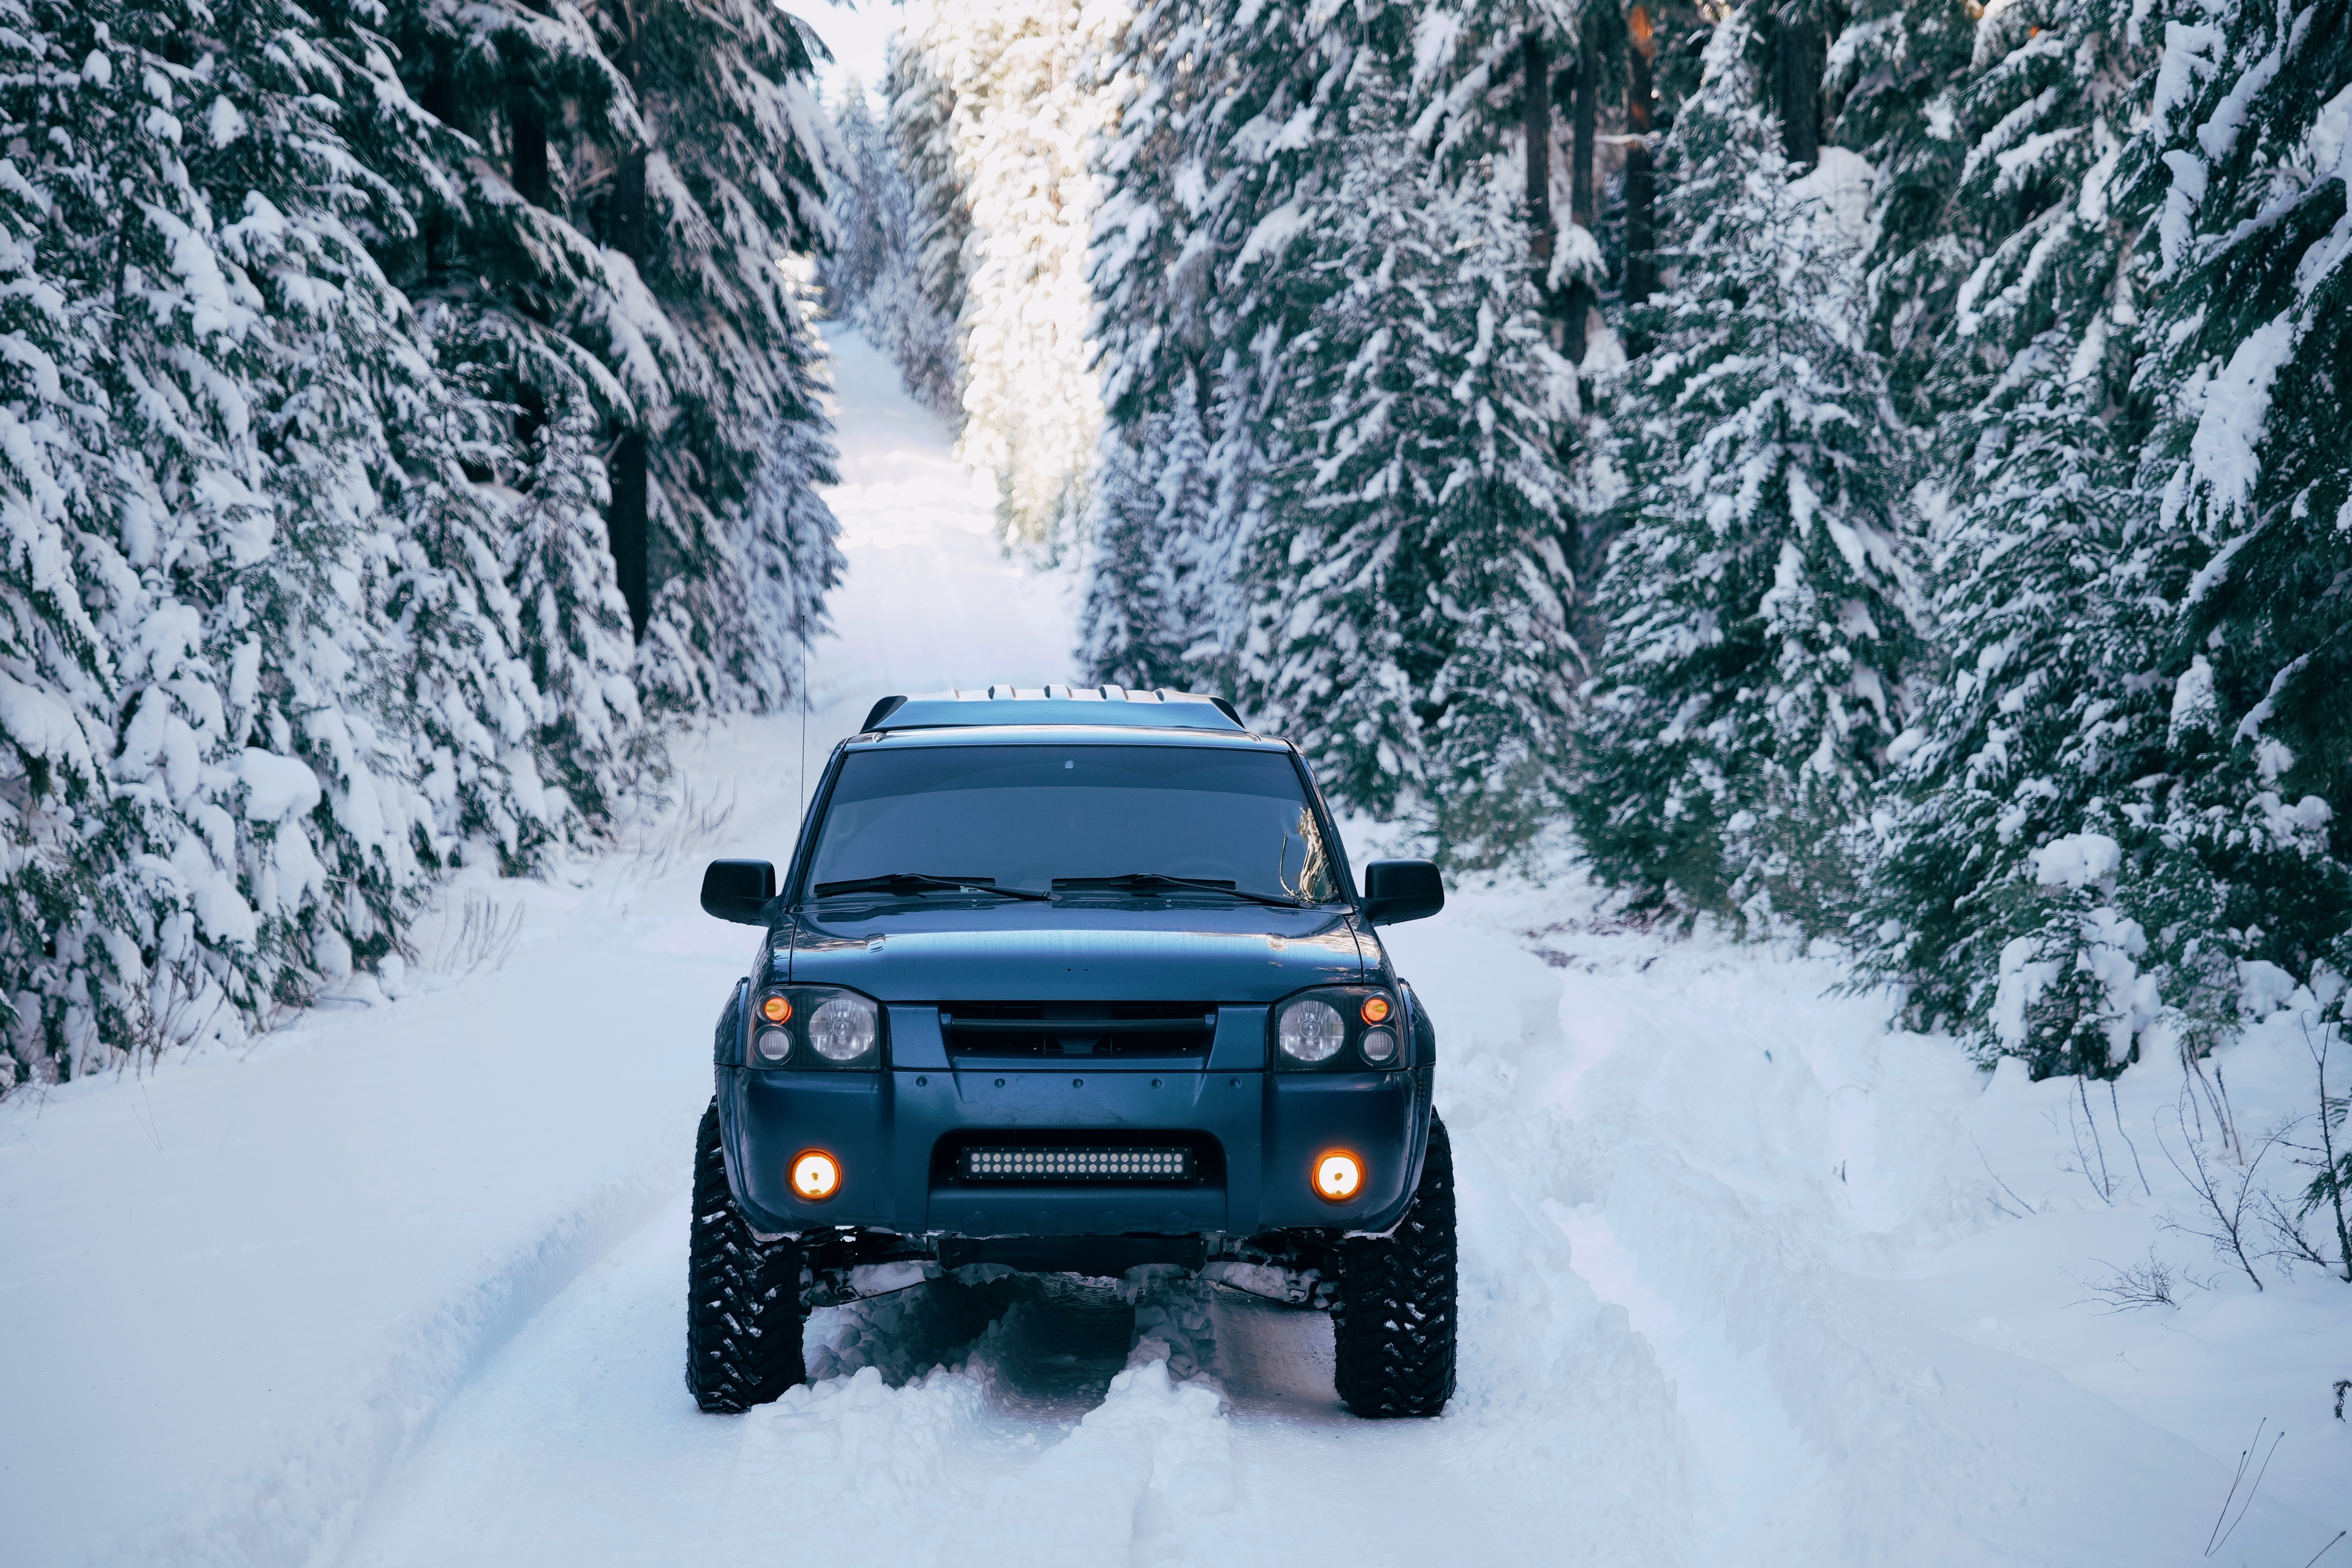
1746, 1277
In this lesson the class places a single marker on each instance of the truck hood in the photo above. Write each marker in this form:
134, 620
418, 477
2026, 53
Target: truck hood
1035, 954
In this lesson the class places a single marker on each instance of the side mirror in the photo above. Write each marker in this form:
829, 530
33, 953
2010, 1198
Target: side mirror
739, 891
1401, 891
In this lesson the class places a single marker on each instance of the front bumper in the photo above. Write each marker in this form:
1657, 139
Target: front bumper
886, 1128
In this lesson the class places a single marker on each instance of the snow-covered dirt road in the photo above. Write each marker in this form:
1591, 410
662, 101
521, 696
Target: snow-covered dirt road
404, 1284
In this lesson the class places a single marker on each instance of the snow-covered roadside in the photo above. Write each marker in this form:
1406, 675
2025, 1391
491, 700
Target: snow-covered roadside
1873, 1361
232, 1289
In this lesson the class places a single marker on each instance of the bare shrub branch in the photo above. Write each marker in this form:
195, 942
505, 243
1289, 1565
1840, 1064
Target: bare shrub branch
485, 938
2221, 1537
2335, 1162
2152, 1284
2023, 1209
2080, 1125
2116, 1108
2229, 1201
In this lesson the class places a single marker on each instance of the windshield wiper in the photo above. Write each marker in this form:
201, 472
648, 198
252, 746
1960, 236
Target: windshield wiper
923, 882
1149, 881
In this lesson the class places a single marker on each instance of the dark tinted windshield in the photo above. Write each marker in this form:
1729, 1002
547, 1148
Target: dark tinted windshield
1024, 815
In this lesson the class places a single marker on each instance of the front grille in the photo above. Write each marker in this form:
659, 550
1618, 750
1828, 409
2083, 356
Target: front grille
1078, 1028
1143, 1166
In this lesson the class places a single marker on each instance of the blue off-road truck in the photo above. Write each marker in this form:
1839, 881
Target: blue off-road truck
1072, 980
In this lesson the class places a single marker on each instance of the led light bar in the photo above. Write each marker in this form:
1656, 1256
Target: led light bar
1076, 1164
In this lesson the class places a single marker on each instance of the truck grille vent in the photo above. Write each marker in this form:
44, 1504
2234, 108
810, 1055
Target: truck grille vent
1142, 1167
1078, 1028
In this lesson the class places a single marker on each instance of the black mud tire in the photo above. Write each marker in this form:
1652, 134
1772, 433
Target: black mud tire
743, 1313
1393, 1329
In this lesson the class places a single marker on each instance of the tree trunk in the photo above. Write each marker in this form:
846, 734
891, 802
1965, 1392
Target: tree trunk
1588, 115
627, 526
627, 530
1799, 53
527, 131
1581, 298
1641, 185
1535, 119
434, 230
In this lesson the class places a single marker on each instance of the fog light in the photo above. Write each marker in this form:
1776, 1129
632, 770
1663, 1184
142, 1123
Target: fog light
1338, 1176
774, 1045
815, 1176
1378, 1046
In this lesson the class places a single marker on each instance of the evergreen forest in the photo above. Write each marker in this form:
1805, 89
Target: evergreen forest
411, 414
1870, 472
1862, 472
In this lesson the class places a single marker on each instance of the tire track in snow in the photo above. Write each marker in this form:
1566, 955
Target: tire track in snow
1830, 1428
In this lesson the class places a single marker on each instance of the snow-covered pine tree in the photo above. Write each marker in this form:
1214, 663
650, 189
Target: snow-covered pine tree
1485, 76
447, 419
524, 122
686, 137
873, 278
897, 318
1897, 71
55, 673
286, 630
1993, 901
860, 205
1759, 643
741, 545
921, 132
2246, 158
573, 623
379, 438
1996, 214
1024, 117
513, 121
264, 829
1226, 114
1411, 584
1145, 582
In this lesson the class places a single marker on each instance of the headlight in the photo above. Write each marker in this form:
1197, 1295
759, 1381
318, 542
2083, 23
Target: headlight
814, 1028
1341, 1029
1311, 1031
845, 1028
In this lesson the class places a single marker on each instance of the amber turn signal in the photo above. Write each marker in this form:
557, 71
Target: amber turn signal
777, 1009
1339, 1175
815, 1175
1376, 1010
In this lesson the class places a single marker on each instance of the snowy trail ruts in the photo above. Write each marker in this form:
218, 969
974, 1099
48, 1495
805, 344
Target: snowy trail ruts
1683, 1179
1045, 1439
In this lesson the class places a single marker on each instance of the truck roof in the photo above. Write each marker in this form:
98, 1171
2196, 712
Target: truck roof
1093, 707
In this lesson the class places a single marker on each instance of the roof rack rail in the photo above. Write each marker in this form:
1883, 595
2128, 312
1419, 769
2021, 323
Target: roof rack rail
1111, 705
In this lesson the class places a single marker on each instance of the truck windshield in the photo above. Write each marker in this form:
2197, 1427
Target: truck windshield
1028, 816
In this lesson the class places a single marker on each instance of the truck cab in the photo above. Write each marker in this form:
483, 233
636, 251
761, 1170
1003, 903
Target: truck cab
1072, 980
